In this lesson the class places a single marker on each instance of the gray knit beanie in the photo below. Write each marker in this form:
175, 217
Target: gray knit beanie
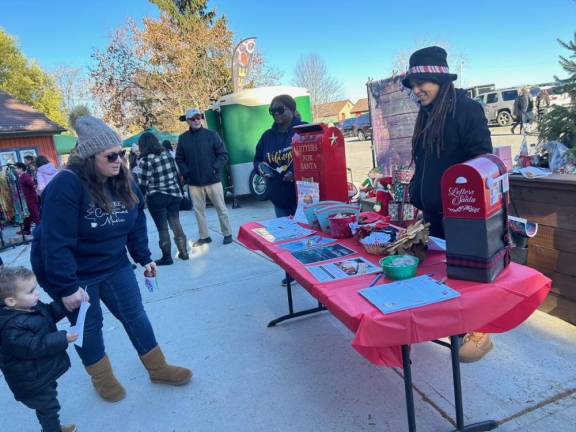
93, 135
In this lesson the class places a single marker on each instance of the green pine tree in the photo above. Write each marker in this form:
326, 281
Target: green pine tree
559, 124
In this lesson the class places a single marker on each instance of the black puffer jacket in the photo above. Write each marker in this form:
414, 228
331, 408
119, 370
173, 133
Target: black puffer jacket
201, 155
32, 350
466, 135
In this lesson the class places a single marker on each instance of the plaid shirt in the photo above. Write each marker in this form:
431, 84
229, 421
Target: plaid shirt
158, 174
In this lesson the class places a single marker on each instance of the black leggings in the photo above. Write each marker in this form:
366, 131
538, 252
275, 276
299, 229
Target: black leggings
165, 210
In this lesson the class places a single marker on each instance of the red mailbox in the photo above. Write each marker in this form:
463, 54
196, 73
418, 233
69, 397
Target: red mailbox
472, 190
475, 202
319, 156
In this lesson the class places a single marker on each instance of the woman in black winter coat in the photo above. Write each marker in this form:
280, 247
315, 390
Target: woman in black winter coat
450, 129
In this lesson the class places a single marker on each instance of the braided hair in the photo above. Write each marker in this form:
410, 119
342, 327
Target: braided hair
429, 128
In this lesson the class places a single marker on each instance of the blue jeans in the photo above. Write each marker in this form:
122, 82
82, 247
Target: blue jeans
281, 212
120, 293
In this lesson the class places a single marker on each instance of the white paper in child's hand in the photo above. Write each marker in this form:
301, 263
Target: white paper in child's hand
79, 327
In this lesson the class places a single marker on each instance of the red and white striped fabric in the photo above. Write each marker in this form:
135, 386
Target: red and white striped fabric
429, 69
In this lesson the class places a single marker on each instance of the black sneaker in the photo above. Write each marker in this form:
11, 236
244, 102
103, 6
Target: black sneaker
165, 260
200, 242
227, 239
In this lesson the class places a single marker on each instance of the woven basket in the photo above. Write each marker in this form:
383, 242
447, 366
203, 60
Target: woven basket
375, 249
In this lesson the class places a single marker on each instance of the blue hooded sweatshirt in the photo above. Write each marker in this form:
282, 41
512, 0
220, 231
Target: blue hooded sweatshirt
78, 242
275, 148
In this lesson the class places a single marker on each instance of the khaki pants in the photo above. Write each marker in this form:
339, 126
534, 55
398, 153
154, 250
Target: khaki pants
216, 194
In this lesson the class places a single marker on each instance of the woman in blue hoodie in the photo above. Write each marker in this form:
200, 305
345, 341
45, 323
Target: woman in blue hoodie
273, 158
93, 212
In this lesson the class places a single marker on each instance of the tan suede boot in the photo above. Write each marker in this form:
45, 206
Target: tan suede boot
476, 345
105, 382
162, 373
68, 428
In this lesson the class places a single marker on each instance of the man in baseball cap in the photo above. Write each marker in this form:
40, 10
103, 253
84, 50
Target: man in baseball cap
201, 155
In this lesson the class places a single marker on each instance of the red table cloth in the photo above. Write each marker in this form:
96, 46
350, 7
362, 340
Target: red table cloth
486, 307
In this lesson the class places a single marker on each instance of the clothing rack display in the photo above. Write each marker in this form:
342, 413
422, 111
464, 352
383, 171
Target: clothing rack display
13, 208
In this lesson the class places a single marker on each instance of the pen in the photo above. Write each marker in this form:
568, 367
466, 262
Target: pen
376, 279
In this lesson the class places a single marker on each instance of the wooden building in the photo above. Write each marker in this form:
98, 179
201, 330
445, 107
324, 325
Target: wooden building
25, 131
551, 202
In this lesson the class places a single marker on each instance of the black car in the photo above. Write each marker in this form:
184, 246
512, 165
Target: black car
362, 128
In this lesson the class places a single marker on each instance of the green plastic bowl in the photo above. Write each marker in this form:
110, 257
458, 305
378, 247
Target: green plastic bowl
399, 272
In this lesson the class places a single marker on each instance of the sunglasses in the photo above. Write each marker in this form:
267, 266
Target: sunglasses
278, 110
196, 118
113, 157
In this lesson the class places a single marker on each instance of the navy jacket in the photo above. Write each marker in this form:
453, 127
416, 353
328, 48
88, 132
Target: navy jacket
201, 155
77, 241
466, 135
32, 350
275, 148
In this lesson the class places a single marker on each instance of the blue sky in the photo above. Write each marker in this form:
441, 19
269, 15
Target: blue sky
502, 42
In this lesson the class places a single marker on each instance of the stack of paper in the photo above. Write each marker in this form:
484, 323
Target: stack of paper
408, 294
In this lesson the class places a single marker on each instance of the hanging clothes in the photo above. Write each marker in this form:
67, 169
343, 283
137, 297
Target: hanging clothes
19, 202
6, 198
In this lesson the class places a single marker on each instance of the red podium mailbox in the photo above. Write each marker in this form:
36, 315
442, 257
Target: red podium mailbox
475, 203
319, 156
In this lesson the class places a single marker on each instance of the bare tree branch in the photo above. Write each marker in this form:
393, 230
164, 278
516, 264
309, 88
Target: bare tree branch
311, 73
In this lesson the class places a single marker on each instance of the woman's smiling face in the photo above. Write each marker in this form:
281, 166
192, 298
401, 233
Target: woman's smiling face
425, 91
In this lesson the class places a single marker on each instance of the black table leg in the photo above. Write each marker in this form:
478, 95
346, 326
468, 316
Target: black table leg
475, 427
291, 314
408, 388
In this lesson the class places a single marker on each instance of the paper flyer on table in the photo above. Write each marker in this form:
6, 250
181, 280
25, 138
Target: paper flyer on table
279, 223
279, 234
325, 253
436, 244
308, 193
79, 327
408, 294
308, 243
343, 269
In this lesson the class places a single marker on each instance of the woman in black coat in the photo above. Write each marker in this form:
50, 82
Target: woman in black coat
450, 129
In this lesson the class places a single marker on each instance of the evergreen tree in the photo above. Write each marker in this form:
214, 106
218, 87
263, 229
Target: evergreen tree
559, 123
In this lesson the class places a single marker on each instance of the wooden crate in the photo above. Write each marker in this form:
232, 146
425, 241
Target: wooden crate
551, 202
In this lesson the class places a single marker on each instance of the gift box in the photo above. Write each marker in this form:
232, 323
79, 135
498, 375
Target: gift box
402, 213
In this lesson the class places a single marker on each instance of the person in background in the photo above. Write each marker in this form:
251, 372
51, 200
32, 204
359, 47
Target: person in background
169, 148
159, 177
528, 107
32, 349
45, 172
29, 161
133, 157
542, 104
450, 128
29, 190
273, 158
201, 155
92, 216
523, 110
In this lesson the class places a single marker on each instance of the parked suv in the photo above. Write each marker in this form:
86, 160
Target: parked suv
347, 127
363, 127
499, 105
